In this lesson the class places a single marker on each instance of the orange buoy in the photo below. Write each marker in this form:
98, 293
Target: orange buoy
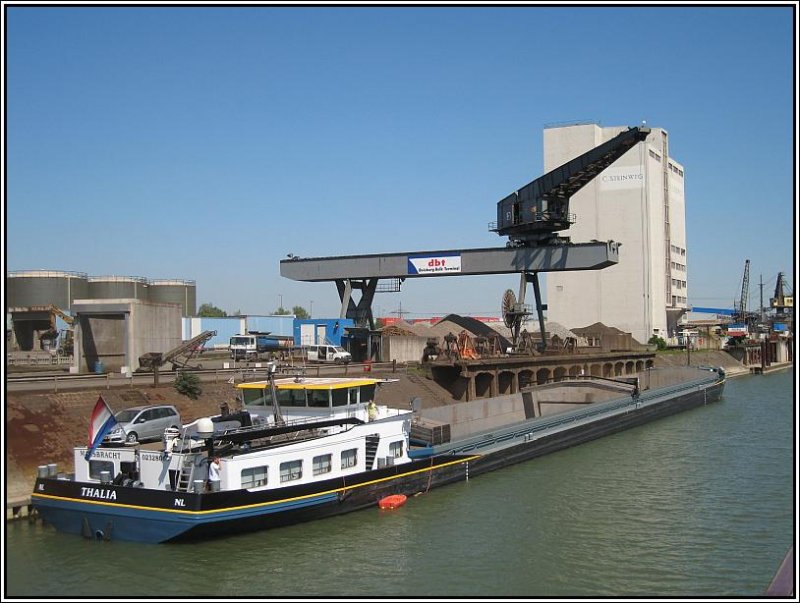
392, 502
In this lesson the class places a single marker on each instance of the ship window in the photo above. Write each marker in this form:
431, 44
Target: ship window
254, 477
95, 467
349, 458
396, 449
353, 393
319, 398
367, 392
257, 397
322, 464
291, 470
292, 397
339, 397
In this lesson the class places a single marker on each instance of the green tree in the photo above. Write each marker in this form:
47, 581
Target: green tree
658, 341
300, 312
210, 310
281, 312
188, 384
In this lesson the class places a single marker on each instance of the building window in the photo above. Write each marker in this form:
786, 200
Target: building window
396, 449
254, 477
291, 471
322, 464
349, 458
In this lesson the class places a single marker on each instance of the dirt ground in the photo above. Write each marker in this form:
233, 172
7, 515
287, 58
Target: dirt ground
43, 428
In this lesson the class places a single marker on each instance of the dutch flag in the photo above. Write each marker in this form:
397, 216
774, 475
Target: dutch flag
100, 423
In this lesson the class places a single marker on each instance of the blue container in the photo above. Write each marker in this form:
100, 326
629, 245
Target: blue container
98, 367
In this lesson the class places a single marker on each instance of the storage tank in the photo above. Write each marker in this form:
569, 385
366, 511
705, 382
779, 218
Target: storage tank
118, 287
27, 288
175, 291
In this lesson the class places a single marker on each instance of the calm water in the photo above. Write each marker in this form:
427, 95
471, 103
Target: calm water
700, 504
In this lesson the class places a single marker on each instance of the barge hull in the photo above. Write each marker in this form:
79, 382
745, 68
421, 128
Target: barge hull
163, 516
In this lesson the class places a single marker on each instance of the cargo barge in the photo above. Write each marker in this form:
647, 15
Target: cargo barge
309, 448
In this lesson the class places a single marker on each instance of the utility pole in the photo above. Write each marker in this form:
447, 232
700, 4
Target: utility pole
761, 308
400, 312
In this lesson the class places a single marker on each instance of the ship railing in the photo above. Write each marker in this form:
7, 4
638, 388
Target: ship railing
297, 422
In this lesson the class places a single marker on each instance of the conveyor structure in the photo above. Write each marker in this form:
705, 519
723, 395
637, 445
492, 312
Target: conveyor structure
179, 356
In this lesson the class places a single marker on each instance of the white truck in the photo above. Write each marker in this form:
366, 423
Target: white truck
258, 346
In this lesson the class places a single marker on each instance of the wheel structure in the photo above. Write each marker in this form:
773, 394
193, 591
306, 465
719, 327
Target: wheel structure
507, 308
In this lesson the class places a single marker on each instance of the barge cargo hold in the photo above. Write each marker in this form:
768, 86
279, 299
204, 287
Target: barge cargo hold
309, 448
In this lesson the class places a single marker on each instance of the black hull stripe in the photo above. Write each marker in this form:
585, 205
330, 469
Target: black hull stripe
285, 502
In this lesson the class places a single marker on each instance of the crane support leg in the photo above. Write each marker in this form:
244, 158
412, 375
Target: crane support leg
345, 289
539, 309
361, 313
524, 279
523, 285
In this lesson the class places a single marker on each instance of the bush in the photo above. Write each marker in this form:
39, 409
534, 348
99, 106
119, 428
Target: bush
188, 384
658, 342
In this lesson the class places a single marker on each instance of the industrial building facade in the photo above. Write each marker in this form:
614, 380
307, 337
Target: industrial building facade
639, 202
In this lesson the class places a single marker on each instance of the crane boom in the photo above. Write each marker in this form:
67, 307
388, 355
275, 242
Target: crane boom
745, 290
533, 214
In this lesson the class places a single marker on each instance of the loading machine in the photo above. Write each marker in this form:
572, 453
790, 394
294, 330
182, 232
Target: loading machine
531, 217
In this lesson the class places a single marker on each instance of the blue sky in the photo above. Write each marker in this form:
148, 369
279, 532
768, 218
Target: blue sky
207, 143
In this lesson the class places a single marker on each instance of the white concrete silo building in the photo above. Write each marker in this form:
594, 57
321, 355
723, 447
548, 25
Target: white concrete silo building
639, 202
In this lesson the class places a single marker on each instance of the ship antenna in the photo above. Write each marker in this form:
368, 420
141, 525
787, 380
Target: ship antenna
276, 407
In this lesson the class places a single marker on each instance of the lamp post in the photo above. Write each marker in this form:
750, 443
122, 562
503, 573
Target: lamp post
311, 309
688, 349
280, 301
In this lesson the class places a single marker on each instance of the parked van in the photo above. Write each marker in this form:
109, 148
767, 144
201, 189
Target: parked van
143, 423
327, 353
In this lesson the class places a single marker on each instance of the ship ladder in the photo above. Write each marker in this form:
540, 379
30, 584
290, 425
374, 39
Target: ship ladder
372, 449
186, 475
